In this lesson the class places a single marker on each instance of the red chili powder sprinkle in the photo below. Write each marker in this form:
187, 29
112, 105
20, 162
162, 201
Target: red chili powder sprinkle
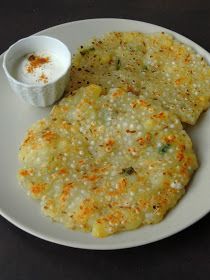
43, 78
36, 61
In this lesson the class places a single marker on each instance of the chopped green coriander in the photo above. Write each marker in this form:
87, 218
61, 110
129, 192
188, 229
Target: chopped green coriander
145, 68
129, 171
164, 148
118, 64
85, 51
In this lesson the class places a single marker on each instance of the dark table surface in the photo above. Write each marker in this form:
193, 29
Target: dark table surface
183, 256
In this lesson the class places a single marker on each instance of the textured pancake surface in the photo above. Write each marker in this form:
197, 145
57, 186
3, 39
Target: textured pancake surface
106, 163
155, 66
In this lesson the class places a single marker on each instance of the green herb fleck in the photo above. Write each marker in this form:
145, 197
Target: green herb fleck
164, 148
118, 64
83, 52
128, 171
145, 68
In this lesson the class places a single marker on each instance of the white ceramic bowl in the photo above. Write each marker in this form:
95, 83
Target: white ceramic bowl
40, 95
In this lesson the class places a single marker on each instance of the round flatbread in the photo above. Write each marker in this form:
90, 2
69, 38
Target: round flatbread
154, 66
106, 163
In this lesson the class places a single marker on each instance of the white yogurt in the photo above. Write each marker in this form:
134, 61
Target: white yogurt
38, 71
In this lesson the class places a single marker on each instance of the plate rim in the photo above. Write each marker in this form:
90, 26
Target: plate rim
129, 244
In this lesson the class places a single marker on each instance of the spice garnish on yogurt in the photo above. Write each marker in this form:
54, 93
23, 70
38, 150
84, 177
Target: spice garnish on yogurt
36, 61
38, 68
43, 78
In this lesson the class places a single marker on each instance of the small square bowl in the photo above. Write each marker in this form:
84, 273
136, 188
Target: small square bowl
36, 94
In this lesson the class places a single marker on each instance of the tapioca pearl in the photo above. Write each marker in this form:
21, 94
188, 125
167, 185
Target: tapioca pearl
176, 185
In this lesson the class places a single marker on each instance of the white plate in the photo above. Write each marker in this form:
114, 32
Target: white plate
16, 117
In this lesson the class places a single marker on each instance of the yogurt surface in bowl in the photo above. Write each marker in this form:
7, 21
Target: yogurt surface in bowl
40, 67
